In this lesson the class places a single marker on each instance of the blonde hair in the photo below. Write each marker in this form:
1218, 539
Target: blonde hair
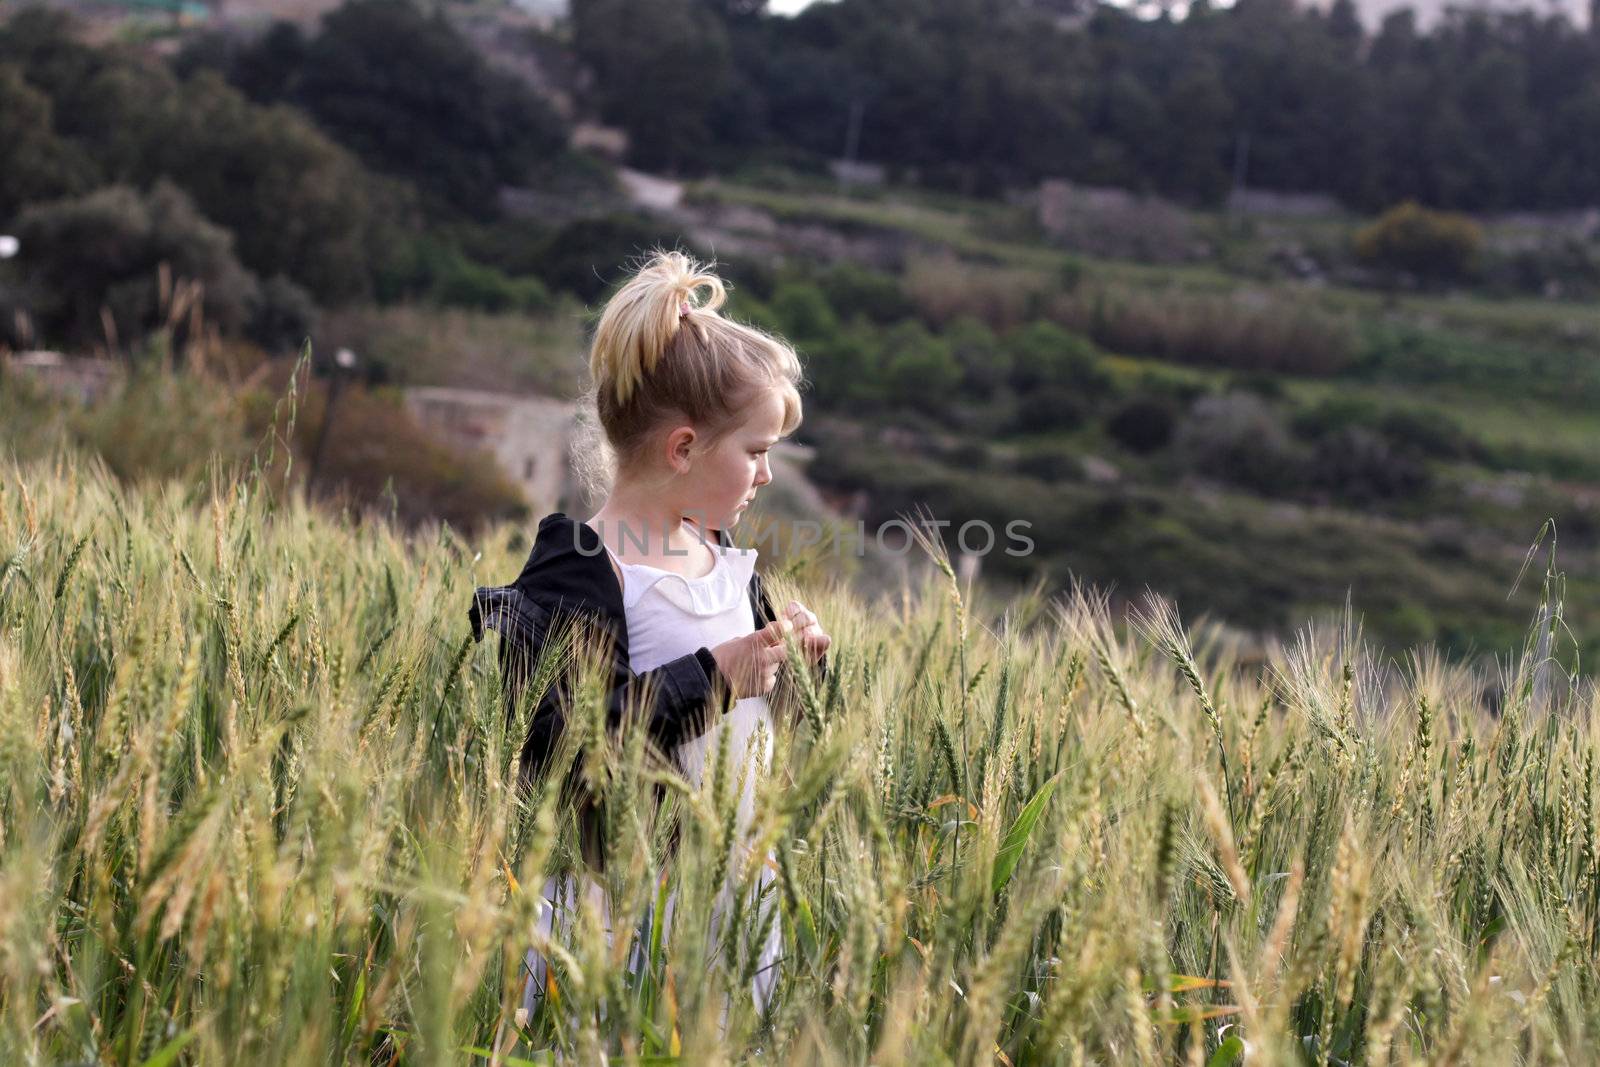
663, 352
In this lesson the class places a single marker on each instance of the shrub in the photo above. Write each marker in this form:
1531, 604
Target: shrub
377, 457
199, 423
1357, 465
1412, 239
1050, 463
985, 363
1142, 425
1043, 354
1050, 408
1429, 433
845, 368
1238, 438
919, 368
107, 250
802, 312
420, 344
852, 290
459, 282
1334, 414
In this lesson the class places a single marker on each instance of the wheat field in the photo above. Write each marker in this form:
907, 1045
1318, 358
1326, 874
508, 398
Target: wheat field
258, 806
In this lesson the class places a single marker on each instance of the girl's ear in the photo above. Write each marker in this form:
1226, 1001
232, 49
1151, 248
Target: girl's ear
680, 448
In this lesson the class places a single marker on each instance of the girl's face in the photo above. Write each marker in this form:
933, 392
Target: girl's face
721, 482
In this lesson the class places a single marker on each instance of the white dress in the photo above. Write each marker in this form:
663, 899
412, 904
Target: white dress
670, 615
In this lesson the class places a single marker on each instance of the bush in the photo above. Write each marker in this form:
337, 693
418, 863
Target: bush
1238, 438
1411, 431
919, 368
801, 312
199, 424
107, 250
1050, 408
1334, 414
985, 363
1415, 240
852, 290
1429, 433
377, 457
1142, 425
1357, 465
459, 282
1050, 463
845, 368
1044, 355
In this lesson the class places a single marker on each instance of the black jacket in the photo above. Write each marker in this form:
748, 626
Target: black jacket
568, 577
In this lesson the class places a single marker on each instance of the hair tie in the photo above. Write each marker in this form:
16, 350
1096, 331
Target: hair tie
683, 308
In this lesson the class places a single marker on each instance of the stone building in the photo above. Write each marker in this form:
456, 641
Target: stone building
530, 436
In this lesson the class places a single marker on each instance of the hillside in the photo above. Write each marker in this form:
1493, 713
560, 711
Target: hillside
1250, 409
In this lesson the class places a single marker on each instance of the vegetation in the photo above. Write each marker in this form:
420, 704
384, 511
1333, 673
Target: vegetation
1432, 245
258, 806
1249, 412
372, 458
1485, 111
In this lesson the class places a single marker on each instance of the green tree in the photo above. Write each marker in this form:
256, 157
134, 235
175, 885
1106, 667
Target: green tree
307, 210
38, 164
107, 250
410, 96
659, 67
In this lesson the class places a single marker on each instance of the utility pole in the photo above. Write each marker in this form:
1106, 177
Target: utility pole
9, 246
343, 361
852, 139
1241, 167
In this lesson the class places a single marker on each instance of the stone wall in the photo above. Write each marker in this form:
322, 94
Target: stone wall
530, 436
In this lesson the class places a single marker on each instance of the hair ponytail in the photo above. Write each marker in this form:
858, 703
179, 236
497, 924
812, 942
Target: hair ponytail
643, 318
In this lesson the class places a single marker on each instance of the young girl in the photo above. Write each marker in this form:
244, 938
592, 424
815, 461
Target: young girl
690, 403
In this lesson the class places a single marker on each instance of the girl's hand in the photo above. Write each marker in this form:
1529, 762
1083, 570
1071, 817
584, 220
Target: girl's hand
813, 639
750, 663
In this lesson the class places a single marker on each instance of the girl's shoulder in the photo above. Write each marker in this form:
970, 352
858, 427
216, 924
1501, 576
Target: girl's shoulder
569, 564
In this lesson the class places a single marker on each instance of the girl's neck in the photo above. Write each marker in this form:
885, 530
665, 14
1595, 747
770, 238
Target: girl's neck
643, 530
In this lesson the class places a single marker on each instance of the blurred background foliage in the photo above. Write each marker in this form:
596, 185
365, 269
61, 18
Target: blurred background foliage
1258, 306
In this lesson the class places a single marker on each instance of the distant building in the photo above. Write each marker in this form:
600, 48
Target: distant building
530, 436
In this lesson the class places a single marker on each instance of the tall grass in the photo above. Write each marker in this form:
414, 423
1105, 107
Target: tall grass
1246, 331
257, 806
